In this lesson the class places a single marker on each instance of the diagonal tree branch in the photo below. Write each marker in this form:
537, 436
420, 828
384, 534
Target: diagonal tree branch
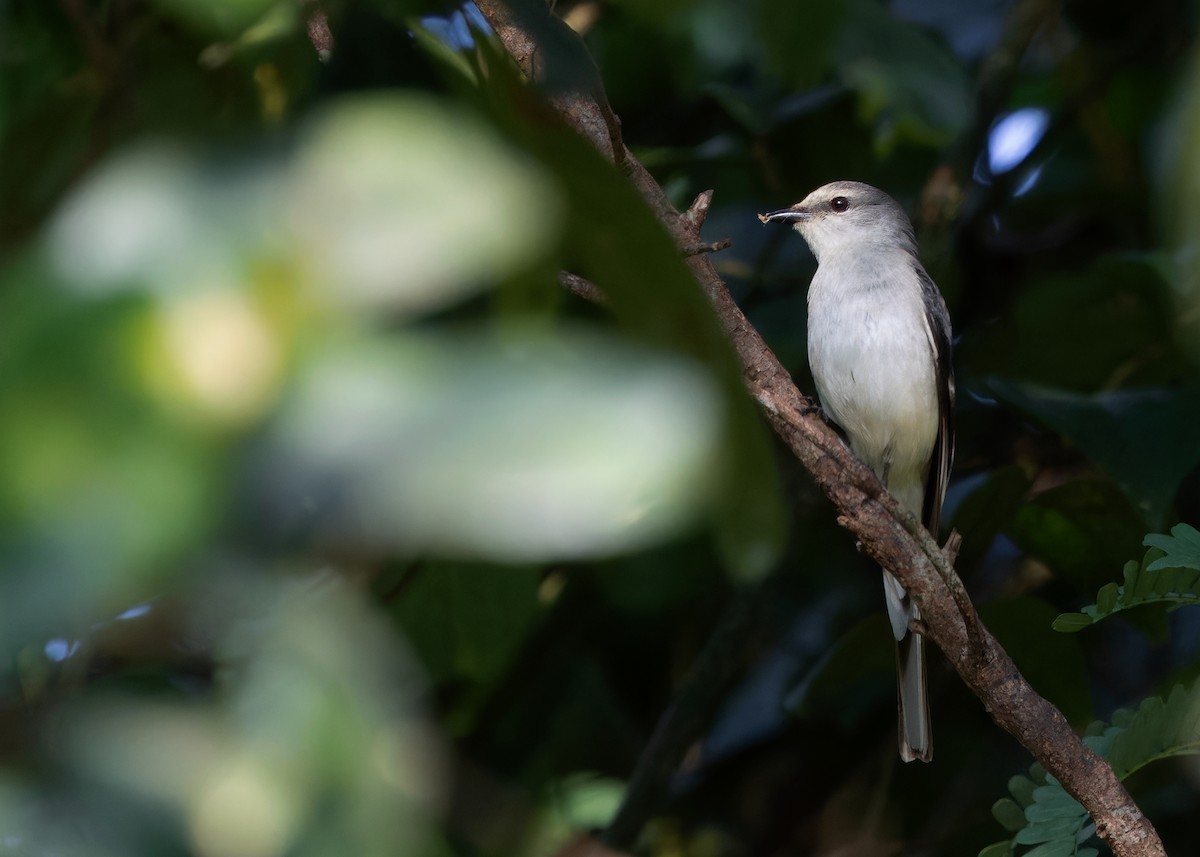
891, 536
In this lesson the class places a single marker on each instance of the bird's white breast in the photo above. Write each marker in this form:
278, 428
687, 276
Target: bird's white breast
872, 356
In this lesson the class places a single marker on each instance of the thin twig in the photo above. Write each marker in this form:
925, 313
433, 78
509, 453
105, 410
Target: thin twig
707, 247
697, 212
585, 289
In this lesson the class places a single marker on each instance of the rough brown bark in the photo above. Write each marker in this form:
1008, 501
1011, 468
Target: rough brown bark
891, 536
319, 33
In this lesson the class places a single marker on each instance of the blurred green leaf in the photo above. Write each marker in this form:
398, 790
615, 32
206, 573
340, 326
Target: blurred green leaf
1111, 324
800, 39
314, 744
908, 84
588, 802
218, 17
467, 622
1142, 438
1078, 527
909, 87
105, 491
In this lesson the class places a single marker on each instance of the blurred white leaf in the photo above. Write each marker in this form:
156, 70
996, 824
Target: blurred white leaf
130, 220
403, 203
155, 218
391, 201
531, 446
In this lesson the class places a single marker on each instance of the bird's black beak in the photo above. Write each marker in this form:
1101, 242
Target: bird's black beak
786, 215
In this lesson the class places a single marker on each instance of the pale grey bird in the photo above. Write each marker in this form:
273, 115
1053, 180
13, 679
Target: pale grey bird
879, 350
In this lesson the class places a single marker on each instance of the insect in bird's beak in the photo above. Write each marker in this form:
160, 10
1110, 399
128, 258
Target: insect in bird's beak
786, 215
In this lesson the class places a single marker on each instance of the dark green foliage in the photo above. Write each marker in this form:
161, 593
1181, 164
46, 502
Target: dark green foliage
1142, 438
1168, 575
331, 523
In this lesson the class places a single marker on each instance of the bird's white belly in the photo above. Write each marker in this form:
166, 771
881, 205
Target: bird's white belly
876, 380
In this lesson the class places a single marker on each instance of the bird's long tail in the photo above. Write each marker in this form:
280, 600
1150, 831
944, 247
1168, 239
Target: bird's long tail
916, 735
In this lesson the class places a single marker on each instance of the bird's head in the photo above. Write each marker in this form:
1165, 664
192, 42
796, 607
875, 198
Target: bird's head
848, 216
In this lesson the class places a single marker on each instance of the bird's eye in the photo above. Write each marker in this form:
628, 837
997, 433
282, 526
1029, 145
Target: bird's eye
839, 204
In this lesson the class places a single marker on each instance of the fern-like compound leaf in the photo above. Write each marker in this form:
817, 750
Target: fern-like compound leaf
1055, 822
1181, 548
1168, 575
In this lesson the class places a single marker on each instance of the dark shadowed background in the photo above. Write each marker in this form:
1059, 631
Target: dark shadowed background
331, 523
